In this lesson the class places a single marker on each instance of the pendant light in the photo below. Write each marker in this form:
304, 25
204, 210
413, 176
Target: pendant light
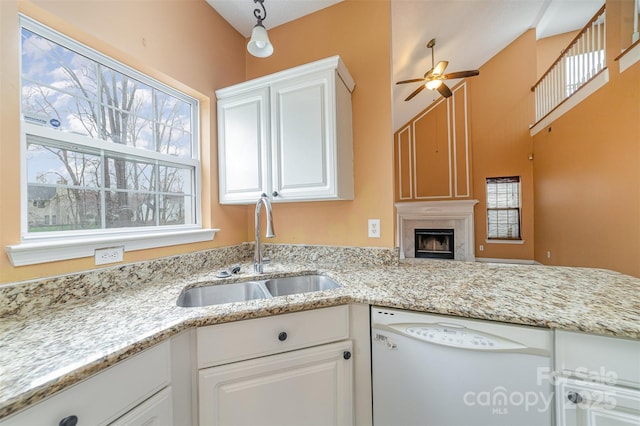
259, 45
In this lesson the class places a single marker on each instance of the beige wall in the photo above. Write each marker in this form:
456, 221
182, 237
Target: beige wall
186, 44
587, 173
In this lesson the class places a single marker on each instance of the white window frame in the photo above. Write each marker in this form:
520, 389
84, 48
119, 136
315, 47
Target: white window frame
504, 240
37, 248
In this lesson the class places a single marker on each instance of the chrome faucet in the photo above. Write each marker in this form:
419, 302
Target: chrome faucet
258, 259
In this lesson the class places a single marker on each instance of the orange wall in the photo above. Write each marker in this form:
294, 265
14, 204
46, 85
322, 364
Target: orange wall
501, 107
358, 31
587, 174
182, 43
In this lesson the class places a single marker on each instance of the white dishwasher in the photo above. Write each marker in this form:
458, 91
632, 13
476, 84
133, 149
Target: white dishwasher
442, 370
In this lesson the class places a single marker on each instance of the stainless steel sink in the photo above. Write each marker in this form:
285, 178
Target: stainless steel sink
217, 294
300, 284
222, 293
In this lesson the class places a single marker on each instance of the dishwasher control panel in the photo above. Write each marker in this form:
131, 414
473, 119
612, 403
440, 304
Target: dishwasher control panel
458, 337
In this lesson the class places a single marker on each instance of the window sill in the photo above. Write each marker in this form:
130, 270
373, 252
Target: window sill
504, 241
42, 251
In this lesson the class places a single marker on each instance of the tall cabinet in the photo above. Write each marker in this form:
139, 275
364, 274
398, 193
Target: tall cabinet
287, 135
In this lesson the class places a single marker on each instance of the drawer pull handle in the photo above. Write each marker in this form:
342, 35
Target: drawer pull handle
574, 397
346, 354
282, 336
69, 421
274, 193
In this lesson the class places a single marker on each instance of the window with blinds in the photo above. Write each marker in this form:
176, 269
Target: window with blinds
503, 208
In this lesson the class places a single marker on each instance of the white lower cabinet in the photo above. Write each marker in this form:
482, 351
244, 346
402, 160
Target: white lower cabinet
583, 403
597, 380
291, 369
152, 388
156, 411
304, 387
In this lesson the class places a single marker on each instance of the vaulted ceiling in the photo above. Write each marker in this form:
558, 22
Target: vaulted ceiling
467, 32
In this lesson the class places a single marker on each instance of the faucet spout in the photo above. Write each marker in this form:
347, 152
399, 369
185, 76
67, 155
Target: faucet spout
258, 258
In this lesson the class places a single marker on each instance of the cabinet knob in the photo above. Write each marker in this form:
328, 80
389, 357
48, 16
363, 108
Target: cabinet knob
574, 397
346, 354
274, 193
69, 421
282, 336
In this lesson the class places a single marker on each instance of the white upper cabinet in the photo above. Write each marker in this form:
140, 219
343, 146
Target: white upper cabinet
288, 135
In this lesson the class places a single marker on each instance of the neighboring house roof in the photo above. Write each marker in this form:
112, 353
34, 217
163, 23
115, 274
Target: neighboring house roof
41, 193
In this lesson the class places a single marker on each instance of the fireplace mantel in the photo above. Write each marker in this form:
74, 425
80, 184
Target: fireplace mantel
457, 214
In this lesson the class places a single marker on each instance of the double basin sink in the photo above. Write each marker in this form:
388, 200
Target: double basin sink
251, 290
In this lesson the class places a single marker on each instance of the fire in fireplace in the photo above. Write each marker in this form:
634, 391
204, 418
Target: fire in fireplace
434, 243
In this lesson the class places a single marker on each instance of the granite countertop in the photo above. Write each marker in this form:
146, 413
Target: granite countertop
52, 347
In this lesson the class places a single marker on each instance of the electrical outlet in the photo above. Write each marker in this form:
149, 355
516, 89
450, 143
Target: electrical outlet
549, 255
481, 247
374, 228
109, 255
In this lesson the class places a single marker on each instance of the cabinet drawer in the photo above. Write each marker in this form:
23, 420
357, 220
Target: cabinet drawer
106, 396
224, 343
602, 359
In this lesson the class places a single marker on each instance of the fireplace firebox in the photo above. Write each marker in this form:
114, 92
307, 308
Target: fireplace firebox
434, 243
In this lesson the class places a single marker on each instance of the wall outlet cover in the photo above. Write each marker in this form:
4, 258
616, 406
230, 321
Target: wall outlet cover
109, 255
374, 228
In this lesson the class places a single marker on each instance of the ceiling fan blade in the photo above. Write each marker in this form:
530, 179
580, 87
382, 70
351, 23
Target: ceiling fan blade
444, 90
413, 80
415, 92
428, 73
439, 69
461, 74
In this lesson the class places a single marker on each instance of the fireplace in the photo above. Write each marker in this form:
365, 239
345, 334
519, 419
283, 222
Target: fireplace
456, 215
434, 243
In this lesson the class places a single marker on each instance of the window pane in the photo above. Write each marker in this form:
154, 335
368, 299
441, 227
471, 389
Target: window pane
73, 209
129, 174
174, 179
52, 165
173, 208
52, 65
125, 93
174, 142
127, 209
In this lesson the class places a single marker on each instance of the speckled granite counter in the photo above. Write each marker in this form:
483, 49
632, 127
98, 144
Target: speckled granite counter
58, 332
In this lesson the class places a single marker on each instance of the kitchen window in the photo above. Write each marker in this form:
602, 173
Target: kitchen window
503, 208
109, 152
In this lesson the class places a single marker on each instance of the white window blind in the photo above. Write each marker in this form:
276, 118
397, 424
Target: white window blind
503, 208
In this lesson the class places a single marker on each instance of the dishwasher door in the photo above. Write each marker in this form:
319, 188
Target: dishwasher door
432, 370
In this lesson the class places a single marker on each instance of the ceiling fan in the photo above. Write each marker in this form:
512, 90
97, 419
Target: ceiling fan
434, 78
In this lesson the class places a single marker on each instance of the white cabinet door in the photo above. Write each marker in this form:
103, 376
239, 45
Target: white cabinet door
304, 143
288, 135
243, 146
156, 411
582, 403
306, 387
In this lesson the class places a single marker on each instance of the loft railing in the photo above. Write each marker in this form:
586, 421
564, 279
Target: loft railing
582, 60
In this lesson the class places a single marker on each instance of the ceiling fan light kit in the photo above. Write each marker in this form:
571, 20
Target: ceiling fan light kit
434, 78
259, 45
